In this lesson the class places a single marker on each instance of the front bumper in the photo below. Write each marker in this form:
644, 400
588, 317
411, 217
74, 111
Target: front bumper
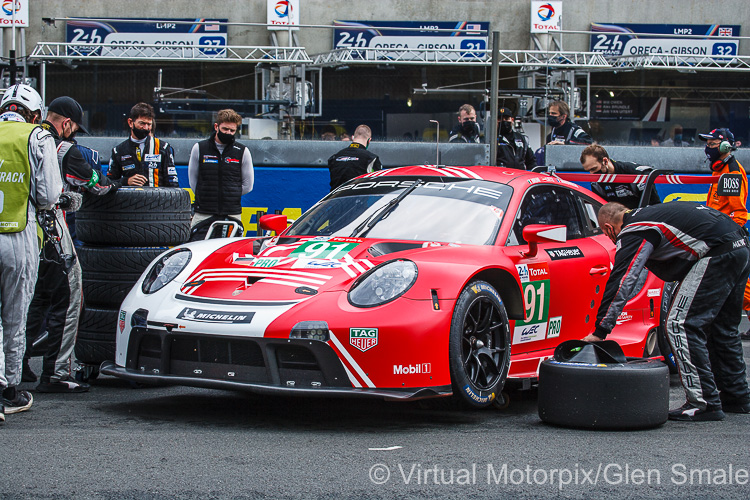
260, 365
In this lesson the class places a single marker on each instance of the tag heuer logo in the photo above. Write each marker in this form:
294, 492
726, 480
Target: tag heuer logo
363, 338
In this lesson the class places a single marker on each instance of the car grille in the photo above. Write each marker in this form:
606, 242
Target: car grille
241, 360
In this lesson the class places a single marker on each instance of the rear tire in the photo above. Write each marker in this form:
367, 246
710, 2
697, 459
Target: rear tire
479, 349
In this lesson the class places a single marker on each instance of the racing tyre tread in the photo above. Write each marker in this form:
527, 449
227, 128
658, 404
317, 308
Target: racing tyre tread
109, 273
98, 324
94, 351
632, 395
135, 216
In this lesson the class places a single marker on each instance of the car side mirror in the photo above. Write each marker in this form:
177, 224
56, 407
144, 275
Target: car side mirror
273, 222
539, 233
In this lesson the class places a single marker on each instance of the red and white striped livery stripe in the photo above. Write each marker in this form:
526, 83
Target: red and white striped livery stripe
347, 359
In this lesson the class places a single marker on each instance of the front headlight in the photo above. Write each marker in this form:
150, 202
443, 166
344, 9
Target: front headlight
165, 270
383, 283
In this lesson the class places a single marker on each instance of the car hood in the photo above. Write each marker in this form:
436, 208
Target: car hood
297, 268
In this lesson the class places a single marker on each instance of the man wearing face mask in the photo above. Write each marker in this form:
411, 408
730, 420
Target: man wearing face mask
143, 160
467, 129
596, 160
354, 160
220, 171
513, 149
57, 295
564, 131
719, 147
704, 250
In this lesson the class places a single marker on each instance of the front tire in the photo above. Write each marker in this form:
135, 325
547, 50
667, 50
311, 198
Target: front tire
479, 347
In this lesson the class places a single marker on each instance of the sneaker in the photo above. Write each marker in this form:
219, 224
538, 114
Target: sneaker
67, 385
746, 335
27, 375
2, 414
690, 413
21, 401
735, 405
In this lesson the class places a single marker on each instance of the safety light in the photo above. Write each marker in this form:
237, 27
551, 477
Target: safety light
312, 330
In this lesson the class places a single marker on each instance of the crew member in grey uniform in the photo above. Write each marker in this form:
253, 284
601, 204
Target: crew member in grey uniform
29, 180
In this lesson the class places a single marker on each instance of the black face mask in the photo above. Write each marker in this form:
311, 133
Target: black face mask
139, 133
224, 138
468, 127
506, 128
70, 137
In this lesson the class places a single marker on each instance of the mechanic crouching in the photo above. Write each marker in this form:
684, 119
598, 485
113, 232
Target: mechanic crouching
57, 295
708, 253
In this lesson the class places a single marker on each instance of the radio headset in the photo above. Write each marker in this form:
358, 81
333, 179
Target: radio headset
726, 147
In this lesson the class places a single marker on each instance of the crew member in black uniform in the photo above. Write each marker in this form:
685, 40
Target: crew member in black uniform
355, 160
706, 251
596, 160
467, 130
220, 171
57, 295
564, 131
143, 160
512, 148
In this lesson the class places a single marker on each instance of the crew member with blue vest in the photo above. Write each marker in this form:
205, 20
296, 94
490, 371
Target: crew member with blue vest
220, 172
29, 180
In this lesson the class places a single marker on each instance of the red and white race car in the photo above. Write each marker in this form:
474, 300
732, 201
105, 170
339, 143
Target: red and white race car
405, 283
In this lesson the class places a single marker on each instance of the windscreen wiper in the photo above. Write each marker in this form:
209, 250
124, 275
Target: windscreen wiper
381, 214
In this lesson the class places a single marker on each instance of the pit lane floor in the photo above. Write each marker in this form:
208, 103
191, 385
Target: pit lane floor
171, 442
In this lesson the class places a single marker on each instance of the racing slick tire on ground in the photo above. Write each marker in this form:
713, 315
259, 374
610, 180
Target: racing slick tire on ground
96, 335
665, 349
135, 216
109, 273
632, 395
479, 349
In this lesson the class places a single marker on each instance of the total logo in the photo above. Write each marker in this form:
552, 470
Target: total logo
283, 9
532, 272
418, 368
8, 7
546, 12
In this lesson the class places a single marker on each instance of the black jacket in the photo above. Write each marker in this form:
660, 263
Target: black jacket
218, 190
668, 239
156, 163
570, 133
351, 162
513, 151
76, 171
627, 194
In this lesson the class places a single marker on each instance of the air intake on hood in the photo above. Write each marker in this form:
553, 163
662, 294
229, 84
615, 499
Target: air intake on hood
387, 247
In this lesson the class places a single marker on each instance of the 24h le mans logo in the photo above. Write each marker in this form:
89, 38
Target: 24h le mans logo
363, 338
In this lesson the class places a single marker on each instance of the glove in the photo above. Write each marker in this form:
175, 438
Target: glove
70, 201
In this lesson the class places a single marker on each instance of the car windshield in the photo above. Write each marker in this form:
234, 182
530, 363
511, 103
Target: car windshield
467, 211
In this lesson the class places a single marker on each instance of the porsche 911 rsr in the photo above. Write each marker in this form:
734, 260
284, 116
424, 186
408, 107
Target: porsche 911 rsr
405, 283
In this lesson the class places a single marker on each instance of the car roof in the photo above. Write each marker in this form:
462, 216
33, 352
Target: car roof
502, 175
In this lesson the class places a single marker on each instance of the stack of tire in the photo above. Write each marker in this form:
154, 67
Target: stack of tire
122, 233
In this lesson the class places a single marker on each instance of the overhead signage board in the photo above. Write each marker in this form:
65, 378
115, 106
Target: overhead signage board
392, 38
282, 14
546, 16
22, 14
622, 40
209, 40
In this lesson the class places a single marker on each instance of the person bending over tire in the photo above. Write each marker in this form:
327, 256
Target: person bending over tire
708, 253
57, 295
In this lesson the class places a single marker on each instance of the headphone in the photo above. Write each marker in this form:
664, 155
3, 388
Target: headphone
725, 147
